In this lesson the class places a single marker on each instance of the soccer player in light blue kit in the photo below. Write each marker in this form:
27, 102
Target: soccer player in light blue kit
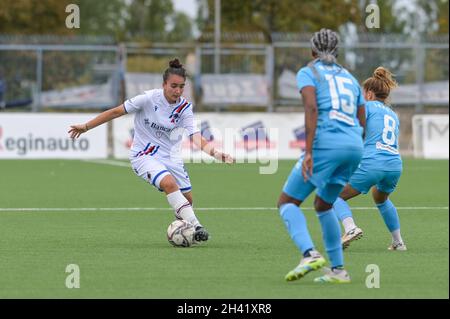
334, 120
381, 164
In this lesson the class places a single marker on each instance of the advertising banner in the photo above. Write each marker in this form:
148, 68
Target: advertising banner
30, 136
245, 136
430, 135
242, 89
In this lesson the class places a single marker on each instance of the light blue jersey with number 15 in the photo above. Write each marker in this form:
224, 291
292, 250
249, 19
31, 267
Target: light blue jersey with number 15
338, 97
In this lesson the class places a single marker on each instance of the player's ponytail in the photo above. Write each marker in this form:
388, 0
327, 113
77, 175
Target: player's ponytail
385, 76
175, 67
381, 83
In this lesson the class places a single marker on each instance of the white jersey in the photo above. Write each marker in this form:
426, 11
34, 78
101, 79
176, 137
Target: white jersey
159, 125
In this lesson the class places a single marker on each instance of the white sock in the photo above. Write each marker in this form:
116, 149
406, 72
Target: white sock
349, 224
182, 207
396, 237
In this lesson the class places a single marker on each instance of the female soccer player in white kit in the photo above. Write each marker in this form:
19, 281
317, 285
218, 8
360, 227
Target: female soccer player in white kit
161, 116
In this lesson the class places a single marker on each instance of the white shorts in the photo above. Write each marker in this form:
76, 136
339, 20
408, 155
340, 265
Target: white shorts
153, 170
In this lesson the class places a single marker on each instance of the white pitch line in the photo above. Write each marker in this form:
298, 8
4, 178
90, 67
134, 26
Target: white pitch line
109, 162
114, 209
126, 164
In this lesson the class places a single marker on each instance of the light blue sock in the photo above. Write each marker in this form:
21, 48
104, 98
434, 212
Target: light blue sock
295, 223
342, 209
331, 234
389, 214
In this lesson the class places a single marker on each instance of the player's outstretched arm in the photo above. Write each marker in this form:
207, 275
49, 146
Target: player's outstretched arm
76, 130
206, 147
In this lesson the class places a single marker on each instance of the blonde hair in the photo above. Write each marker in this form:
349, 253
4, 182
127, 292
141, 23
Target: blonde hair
381, 83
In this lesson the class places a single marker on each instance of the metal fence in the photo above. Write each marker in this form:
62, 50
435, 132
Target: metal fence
261, 75
421, 68
59, 76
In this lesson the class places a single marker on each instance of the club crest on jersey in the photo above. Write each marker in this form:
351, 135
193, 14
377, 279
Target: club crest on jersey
176, 113
156, 108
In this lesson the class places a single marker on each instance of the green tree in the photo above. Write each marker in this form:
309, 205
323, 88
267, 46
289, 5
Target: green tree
414, 19
33, 17
147, 19
28, 17
104, 17
443, 16
423, 17
268, 16
182, 28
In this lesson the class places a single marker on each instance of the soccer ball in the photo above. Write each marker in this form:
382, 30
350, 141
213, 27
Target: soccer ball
180, 233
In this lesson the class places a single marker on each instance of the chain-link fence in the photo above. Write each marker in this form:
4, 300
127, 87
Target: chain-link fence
249, 76
34, 77
421, 68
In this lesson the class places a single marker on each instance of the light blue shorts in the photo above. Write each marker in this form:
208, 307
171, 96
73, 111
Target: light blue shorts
362, 180
332, 170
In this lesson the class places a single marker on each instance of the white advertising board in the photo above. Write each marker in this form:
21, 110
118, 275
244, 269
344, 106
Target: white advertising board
242, 89
243, 135
430, 136
31, 136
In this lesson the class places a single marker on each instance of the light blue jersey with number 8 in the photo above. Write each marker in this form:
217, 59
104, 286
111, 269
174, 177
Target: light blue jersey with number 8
338, 97
381, 142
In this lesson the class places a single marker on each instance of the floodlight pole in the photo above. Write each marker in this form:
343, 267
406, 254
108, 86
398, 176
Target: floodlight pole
217, 36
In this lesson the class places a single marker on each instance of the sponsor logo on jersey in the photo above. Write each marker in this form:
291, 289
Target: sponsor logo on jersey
385, 147
160, 127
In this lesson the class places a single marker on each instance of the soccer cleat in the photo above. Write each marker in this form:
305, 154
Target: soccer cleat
397, 246
335, 276
307, 264
200, 234
353, 234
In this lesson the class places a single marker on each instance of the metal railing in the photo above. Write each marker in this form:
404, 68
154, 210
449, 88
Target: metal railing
251, 74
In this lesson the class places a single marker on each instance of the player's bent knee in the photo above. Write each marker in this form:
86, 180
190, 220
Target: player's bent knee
320, 205
168, 184
348, 192
285, 199
379, 197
